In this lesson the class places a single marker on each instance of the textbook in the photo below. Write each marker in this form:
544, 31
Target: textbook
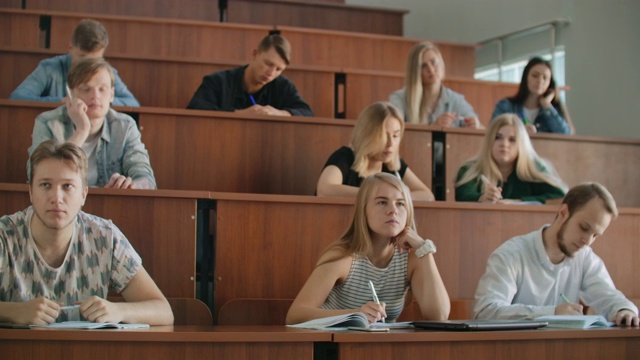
354, 321
576, 321
88, 325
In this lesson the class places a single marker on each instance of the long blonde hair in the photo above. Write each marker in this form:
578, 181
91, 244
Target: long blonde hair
416, 106
529, 167
369, 136
357, 239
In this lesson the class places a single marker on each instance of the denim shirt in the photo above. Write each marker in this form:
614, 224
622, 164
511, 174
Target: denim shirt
119, 149
548, 120
48, 83
449, 101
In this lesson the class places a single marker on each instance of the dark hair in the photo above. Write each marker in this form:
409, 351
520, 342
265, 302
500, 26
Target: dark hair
90, 35
581, 194
68, 151
523, 90
282, 46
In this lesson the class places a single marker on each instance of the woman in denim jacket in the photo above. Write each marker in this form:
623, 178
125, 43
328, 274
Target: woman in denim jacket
536, 102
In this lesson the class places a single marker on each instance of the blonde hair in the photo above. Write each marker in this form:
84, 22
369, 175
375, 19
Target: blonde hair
357, 239
369, 136
416, 107
529, 167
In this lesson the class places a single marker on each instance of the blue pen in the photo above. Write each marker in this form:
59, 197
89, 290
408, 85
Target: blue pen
253, 101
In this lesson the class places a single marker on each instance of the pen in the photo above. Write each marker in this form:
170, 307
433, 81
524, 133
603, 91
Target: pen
68, 92
565, 298
484, 179
69, 307
253, 101
375, 296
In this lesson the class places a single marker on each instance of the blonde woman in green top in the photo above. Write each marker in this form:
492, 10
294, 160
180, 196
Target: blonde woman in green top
508, 169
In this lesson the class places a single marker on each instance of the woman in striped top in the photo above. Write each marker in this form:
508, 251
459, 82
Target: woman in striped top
380, 246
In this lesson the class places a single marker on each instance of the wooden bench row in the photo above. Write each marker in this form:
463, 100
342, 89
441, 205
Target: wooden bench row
265, 246
321, 14
218, 151
152, 37
331, 92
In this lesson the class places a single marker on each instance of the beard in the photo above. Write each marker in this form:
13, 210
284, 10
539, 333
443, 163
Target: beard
561, 243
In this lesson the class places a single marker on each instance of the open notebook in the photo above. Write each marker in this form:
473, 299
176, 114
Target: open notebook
87, 325
352, 321
576, 321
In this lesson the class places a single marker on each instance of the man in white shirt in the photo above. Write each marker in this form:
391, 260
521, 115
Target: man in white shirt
535, 274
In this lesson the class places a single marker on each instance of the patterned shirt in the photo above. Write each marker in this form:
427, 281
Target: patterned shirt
391, 284
99, 259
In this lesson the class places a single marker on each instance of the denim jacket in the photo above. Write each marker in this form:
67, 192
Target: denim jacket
47, 83
548, 120
120, 148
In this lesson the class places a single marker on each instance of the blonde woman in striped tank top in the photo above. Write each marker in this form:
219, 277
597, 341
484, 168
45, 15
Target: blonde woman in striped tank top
381, 246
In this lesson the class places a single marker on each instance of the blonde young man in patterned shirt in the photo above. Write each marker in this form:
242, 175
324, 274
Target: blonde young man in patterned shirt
52, 254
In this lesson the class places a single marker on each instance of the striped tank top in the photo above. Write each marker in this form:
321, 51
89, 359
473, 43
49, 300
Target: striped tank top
391, 285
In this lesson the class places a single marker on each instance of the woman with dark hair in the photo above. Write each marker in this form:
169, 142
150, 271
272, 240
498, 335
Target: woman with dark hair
537, 102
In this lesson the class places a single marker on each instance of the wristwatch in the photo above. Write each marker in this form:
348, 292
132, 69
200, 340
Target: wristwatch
427, 248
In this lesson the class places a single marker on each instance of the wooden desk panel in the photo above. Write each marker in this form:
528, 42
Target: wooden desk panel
163, 342
538, 344
159, 225
16, 126
170, 82
365, 87
17, 29
183, 9
368, 51
287, 235
339, 17
576, 158
241, 154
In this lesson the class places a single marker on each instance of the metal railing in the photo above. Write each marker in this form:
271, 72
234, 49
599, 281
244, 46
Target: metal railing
552, 25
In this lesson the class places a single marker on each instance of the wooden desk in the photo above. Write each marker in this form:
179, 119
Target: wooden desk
164, 342
320, 14
369, 51
614, 343
171, 81
226, 41
364, 87
273, 155
577, 159
261, 155
286, 235
159, 224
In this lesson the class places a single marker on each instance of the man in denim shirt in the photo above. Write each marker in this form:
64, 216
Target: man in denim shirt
111, 140
47, 82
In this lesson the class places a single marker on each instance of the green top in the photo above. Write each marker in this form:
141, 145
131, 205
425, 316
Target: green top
513, 188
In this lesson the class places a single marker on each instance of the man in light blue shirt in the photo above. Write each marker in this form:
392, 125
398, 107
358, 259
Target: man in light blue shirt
48, 81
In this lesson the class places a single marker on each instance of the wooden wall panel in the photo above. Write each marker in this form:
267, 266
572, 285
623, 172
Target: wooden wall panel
576, 158
159, 225
290, 233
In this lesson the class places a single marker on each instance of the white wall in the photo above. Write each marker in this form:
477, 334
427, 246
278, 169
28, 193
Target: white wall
602, 46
